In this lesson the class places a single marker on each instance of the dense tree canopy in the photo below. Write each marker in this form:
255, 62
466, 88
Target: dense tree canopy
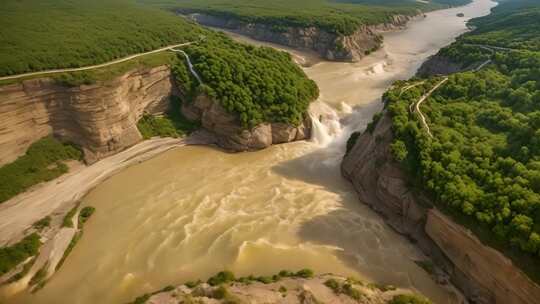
46, 34
343, 17
259, 84
483, 161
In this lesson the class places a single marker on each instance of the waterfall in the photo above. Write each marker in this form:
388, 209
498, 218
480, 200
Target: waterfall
190, 65
325, 124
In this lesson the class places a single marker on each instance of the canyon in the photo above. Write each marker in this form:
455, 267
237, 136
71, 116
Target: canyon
283, 207
102, 118
329, 46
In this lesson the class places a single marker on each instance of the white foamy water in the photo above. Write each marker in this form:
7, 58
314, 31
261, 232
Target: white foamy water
193, 211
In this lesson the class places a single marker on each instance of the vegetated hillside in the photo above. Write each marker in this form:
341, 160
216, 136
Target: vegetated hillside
259, 84
513, 25
46, 34
342, 17
483, 162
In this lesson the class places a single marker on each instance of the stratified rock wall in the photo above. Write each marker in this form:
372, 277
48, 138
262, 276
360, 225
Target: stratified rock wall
328, 45
440, 65
229, 132
100, 118
483, 274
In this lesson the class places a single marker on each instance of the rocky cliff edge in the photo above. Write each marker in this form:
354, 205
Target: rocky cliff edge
102, 118
483, 274
330, 46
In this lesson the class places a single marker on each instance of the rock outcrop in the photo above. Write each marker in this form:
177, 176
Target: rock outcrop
483, 274
330, 46
440, 65
230, 134
288, 290
101, 118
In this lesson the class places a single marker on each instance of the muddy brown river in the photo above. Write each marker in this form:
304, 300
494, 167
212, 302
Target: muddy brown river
194, 211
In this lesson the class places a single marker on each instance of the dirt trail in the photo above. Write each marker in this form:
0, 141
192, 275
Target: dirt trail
97, 66
422, 99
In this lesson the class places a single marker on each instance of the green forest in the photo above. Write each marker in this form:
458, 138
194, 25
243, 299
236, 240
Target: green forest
513, 24
483, 162
259, 84
342, 17
46, 34
76, 33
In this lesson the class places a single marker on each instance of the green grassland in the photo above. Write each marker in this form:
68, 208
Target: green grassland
341, 17
483, 163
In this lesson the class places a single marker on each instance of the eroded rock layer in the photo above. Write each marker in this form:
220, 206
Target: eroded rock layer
101, 119
229, 132
330, 46
483, 274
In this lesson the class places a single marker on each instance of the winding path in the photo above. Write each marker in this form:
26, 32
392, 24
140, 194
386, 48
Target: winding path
491, 47
418, 103
422, 99
97, 66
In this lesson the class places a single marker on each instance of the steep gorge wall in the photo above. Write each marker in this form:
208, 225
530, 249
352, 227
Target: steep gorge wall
229, 133
328, 45
482, 273
100, 118
440, 65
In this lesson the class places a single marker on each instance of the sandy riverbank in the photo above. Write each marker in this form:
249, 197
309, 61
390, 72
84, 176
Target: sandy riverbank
59, 195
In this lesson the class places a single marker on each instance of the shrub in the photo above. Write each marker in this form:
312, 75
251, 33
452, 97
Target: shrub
42, 223
42, 162
334, 285
13, 255
371, 126
343, 288
68, 218
426, 265
399, 150
172, 124
142, 299
221, 278
305, 273
409, 299
193, 284
286, 273
85, 214
352, 141
351, 291
39, 277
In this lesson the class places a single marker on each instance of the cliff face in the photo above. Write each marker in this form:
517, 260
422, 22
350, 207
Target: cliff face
328, 45
439, 65
102, 119
482, 273
230, 134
